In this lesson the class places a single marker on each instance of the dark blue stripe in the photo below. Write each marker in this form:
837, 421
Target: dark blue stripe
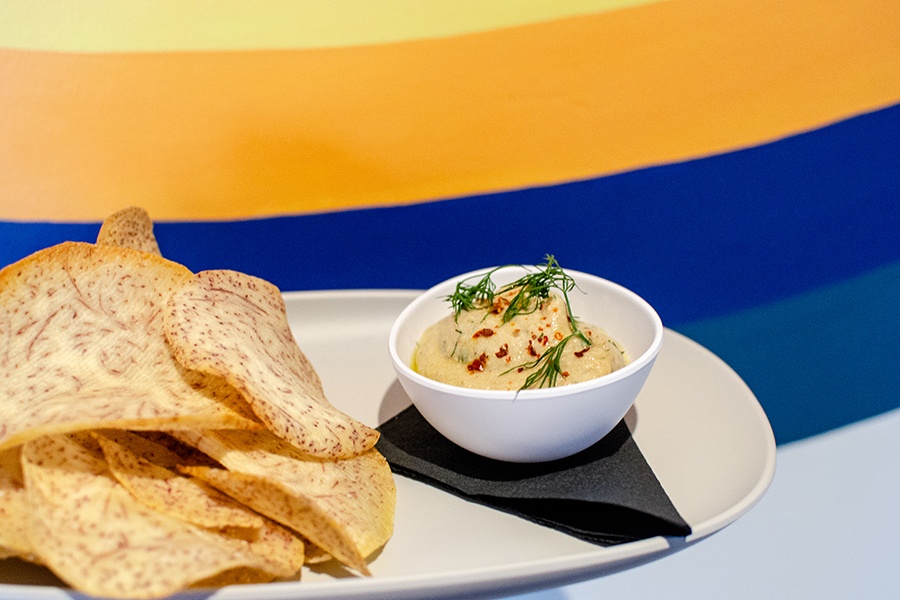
18, 240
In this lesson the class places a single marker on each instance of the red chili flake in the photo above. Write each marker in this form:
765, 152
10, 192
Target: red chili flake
580, 353
503, 351
478, 363
486, 332
499, 306
565, 373
532, 351
558, 336
544, 340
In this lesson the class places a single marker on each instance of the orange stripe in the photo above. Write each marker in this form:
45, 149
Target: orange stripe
232, 134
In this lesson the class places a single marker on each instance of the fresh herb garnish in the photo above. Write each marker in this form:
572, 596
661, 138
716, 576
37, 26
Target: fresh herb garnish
468, 296
532, 290
547, 364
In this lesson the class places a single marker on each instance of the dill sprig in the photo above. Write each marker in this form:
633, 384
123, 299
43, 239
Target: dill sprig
471, 296
532, 290
548, 365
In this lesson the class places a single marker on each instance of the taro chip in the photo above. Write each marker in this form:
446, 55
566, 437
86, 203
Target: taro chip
157, 447
344, 507
92, 533
166, 491
252, 347
13, 508
129, 228
282, 548
104, 338
84, 348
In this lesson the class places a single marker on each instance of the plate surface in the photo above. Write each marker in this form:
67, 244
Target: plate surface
697, 423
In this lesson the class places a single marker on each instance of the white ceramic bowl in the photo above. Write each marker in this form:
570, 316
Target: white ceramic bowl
533, 425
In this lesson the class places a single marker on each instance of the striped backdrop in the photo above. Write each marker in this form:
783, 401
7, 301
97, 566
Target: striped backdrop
736, 163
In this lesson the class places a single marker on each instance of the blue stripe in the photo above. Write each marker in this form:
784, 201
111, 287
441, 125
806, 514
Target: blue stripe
18, 240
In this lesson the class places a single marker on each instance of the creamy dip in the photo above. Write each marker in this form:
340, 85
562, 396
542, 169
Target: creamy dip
476, 349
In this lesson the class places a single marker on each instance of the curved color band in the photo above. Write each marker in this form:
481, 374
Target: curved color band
220, 135
178, 25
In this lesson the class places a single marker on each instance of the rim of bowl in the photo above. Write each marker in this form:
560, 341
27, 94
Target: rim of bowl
634, 366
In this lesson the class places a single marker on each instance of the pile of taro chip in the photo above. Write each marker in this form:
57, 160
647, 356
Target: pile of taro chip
161, 430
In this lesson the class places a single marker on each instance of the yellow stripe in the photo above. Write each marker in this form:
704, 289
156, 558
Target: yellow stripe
236, 134
167, 25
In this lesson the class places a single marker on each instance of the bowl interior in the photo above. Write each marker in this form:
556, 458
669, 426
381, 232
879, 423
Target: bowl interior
625, 316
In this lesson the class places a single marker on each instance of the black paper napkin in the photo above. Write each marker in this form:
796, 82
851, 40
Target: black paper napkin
606, 494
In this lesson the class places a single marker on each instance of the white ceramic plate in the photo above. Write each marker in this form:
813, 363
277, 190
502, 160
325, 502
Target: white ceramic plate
697, 423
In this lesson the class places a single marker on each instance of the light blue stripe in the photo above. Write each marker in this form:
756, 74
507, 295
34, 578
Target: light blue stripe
819, 360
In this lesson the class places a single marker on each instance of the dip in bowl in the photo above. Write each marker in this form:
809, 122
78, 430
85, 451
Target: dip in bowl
531, 424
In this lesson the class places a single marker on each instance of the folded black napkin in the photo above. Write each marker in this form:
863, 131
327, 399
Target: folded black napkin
606, 494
